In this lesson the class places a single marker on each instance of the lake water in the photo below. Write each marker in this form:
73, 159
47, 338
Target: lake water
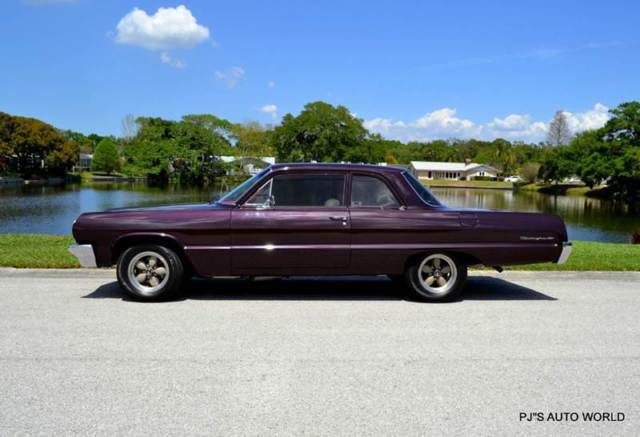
52, 210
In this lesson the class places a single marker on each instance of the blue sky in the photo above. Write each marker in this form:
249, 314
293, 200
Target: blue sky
410, 69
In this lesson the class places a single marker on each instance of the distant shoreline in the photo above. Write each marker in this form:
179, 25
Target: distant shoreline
447, 183
472, 187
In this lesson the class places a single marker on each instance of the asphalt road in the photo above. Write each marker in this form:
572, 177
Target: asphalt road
318, 357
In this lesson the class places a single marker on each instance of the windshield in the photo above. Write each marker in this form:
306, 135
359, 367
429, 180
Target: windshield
235, 194
421, 190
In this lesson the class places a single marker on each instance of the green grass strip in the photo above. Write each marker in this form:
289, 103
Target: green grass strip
50, 251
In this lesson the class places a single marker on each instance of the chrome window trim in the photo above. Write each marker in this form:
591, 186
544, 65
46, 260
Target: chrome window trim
404, 176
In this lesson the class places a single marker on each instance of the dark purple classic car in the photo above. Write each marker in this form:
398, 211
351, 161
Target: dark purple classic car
316, 219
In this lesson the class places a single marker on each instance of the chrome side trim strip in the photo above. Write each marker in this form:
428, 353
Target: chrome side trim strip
84, 254
207, 248
566, 252
388, 246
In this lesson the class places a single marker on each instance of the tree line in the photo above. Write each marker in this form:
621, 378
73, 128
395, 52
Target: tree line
608, 155
187, 150
33, 147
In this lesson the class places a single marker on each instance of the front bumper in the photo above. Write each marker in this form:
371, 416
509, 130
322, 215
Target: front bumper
566, 251
84, 253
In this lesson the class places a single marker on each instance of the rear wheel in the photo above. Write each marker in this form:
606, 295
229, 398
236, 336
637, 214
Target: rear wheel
150, 272
437, 277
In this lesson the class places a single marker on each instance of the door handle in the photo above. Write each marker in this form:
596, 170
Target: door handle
339, 218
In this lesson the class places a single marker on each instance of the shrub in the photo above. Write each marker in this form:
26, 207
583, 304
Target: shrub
105, 157
530, 171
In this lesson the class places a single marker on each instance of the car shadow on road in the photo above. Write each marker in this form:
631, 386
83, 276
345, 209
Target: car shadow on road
327, 288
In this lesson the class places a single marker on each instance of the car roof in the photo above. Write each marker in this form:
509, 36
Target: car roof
336, 166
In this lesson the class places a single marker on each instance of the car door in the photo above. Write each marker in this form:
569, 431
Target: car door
380, 223
295, 223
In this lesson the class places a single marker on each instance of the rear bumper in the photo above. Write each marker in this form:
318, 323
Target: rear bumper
566, 251
84, 253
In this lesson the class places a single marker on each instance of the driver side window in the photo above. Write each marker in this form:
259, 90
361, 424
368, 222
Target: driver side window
368, 191
301, 190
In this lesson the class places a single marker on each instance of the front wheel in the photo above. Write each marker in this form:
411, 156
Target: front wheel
150, 272
437, 277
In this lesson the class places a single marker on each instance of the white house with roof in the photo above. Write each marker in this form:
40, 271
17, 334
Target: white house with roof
249, 164
464, 171
84, 162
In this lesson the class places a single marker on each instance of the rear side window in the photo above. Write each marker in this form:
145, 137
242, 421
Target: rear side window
301, 190
368, 191
421, 190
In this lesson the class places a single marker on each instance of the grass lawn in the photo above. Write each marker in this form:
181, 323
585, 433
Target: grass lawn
566, 189
50, 251
96, 176
36, 251
468, 184
587, 255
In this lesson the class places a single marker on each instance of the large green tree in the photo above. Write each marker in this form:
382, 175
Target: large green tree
7, 127
86, 143
559, 163
105, 157
38, 148
610, 154
321, 132
621, 136
252, 139
184, 150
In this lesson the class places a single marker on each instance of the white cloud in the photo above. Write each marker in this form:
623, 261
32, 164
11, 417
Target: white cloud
269, 109
444, 119
271, 84
594, 118
167, 28
230, 76
166, 58
444, 123
441, 123
382, 125
513, 121
515, 127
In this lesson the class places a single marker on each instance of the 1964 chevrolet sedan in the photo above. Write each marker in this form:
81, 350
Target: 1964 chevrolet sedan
315, 219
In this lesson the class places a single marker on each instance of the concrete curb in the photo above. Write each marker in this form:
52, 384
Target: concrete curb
110, 273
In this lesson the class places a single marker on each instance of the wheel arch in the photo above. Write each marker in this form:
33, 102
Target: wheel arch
464, 257
169, 241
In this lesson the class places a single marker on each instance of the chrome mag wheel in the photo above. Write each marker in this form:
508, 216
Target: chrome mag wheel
437, 274
148, 272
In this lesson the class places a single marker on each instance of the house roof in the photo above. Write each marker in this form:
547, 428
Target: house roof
447, 166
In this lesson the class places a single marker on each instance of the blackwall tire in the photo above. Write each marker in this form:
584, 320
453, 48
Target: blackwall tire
436, 277
150, 272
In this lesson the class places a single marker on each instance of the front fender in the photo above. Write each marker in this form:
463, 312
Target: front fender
124, 241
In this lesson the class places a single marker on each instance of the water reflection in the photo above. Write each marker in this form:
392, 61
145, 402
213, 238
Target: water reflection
52, 209
586, 218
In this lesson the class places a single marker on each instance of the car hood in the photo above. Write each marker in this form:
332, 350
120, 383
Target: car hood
190, 206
